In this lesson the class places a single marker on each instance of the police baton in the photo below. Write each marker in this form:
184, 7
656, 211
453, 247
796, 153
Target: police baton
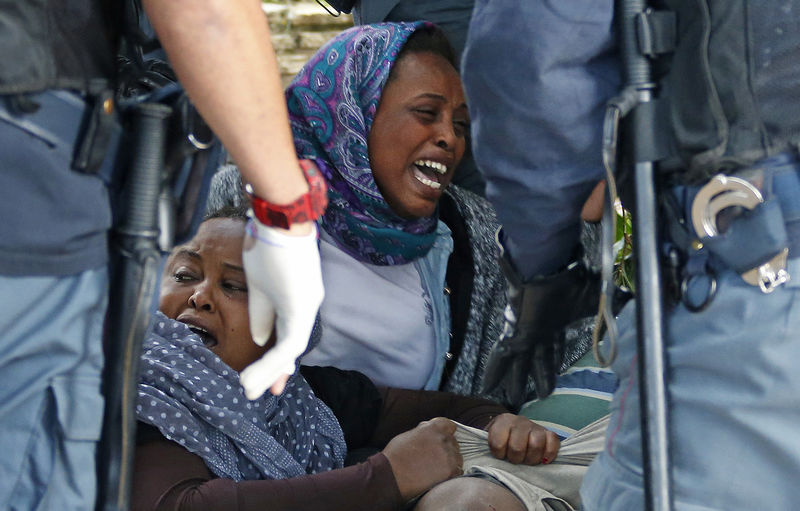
637, 99
134, 276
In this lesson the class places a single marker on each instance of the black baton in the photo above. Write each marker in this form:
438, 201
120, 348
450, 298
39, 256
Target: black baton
651, 360
134, 276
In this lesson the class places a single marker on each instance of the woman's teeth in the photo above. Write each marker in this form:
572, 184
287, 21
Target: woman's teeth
428, 182
430, 168
433, 165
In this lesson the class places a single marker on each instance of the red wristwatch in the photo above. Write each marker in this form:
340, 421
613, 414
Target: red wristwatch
308, 207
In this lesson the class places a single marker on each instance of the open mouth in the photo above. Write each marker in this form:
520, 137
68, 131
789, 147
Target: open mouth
429, 173
208, 339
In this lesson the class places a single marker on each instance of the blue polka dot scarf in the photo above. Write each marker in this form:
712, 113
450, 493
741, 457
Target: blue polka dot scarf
196, 400
332, 102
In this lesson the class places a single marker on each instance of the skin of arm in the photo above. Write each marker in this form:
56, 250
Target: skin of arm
223, 56
222, 53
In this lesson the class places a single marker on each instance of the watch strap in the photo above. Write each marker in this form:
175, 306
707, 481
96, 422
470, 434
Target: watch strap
308, 207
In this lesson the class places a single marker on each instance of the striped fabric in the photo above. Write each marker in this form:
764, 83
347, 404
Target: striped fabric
582, 395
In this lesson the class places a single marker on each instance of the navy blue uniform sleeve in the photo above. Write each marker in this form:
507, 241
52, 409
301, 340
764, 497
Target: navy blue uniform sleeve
537, 75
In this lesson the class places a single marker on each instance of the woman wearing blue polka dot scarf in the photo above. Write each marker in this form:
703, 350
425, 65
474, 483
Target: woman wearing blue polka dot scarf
203, 445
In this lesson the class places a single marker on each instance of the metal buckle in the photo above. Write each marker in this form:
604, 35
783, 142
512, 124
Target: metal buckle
769, 275
724, 192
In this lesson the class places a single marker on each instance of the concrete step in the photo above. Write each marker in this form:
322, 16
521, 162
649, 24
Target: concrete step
294, 41
296, 15
311, 14
314, 40
290, 64
299, 28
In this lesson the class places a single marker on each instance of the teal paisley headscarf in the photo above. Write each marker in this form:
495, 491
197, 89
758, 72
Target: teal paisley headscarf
332, 103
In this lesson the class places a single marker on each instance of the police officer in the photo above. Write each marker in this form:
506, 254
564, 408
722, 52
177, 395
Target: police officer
731, 341
55, 211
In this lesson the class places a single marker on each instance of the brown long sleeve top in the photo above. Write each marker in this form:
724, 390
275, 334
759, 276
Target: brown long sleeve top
168, 477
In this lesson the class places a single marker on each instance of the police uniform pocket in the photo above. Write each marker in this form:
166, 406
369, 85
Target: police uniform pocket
79, 411
59, 459
79, 407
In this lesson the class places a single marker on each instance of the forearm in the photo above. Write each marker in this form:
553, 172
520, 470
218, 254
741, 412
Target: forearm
368, 486
167, 477
403, 409
223, 56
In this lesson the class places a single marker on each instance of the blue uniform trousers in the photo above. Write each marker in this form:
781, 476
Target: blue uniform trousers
51, 408
54, 293
733, 396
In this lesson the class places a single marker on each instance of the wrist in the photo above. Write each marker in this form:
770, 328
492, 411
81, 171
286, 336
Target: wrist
295, 216
284, 192
297, 235
405, 488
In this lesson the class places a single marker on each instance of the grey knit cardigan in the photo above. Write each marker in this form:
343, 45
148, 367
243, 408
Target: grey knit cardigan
478, 296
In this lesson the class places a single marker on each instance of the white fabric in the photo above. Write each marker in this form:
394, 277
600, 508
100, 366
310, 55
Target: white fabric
284, 282
375, 319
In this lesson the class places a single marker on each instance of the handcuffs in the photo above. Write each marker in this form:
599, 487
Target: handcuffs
723, 192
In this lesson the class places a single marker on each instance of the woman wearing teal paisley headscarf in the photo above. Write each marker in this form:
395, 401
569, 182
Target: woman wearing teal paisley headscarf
386, 313
332, 104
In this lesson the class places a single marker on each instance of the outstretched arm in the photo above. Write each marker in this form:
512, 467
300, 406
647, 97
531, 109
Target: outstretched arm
167, 477
223, 56
403, 409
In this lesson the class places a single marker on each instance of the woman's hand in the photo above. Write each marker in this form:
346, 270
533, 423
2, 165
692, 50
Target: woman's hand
520, 440
424, 456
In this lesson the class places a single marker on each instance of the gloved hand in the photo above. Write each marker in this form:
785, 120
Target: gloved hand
536, 315
284, 281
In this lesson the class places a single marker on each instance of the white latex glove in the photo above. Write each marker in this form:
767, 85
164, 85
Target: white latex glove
284, 281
